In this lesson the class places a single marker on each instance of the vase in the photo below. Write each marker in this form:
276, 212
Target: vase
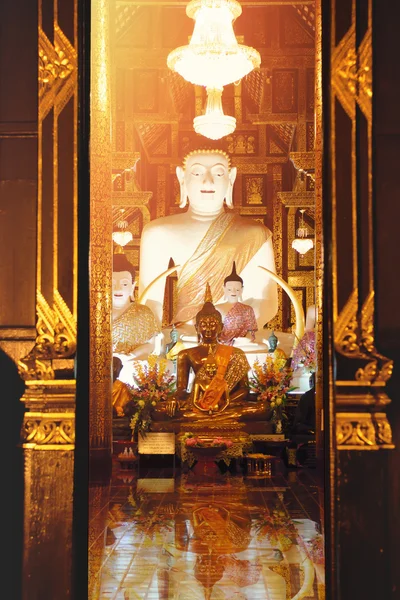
278, 426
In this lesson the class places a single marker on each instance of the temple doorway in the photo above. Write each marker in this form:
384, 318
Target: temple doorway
236, 510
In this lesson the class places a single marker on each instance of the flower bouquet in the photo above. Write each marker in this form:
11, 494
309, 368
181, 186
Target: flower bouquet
153, 384
278, 528
304, 353
209, 447
271, 382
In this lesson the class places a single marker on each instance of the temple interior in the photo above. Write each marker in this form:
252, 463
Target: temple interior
193, 347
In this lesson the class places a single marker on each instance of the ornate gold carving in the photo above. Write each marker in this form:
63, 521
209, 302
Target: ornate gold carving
250, 210
56, 338
161, 191
363, 431
386, 371
346, 329
254, 190
32, 368
367, 373
365, 75
49, 428
57, 70
304, 161
383, 430
344, 71
367, 323
352, 72
355, 430
297, 199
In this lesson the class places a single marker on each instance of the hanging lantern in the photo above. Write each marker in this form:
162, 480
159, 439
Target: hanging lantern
302, 244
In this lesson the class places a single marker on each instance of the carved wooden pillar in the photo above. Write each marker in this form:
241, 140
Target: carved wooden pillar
358, 371
100, 416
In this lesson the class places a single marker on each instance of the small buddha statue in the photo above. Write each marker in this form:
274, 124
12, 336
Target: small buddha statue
134, 328
277, 353
220, 385
204, 240
239, 319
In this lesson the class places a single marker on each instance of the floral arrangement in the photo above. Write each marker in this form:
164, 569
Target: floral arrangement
278, 528
192, 441
304, 353
147, 521
153, 384
315, 549
271, 382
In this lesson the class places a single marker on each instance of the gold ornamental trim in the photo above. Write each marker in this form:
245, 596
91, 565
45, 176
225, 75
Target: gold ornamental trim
365, 75
346, 329
43, 429
56, 338
304, 161
363, 431
57, 71
344, 71
367, 323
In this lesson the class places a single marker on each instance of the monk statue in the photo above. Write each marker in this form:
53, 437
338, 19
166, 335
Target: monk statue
134, 328
220, 385
239, 319
205, 240
121, 394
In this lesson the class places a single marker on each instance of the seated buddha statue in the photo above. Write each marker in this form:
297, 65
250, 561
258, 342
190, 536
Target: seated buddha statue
220, 385
239, 319
277, 353
134, 328
205, 240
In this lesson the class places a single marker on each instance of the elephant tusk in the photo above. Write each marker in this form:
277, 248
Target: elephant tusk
145, 293
298, 309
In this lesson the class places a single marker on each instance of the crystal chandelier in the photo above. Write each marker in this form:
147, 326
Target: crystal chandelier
213, 57
122, 237
302, 243
214, 124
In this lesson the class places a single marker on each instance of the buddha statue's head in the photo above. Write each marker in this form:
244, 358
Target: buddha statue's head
233, 287
272, 342
174, 334
117, 367
208, 323
206, 179
123, 281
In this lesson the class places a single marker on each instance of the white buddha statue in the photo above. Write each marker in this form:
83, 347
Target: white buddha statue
239, 320
204, 241
135, 333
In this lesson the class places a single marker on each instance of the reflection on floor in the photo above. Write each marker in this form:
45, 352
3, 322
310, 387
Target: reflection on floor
228, 537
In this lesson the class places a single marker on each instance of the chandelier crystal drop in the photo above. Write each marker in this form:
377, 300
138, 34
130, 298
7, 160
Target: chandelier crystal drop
302, 244
213, 57
214, 124
122, 237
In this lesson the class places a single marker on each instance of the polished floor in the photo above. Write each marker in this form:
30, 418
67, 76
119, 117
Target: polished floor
162, 535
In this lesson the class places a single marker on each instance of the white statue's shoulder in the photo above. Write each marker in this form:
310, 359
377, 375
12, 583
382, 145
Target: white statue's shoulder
163, 225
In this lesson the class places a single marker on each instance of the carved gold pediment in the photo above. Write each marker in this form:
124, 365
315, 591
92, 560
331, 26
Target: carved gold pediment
352, 72
57, 70
56, 338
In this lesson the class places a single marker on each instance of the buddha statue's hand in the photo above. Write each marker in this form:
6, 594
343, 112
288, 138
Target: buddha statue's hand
171, 406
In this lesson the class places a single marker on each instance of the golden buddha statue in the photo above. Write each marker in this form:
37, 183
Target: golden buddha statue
220, 386
205, 240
